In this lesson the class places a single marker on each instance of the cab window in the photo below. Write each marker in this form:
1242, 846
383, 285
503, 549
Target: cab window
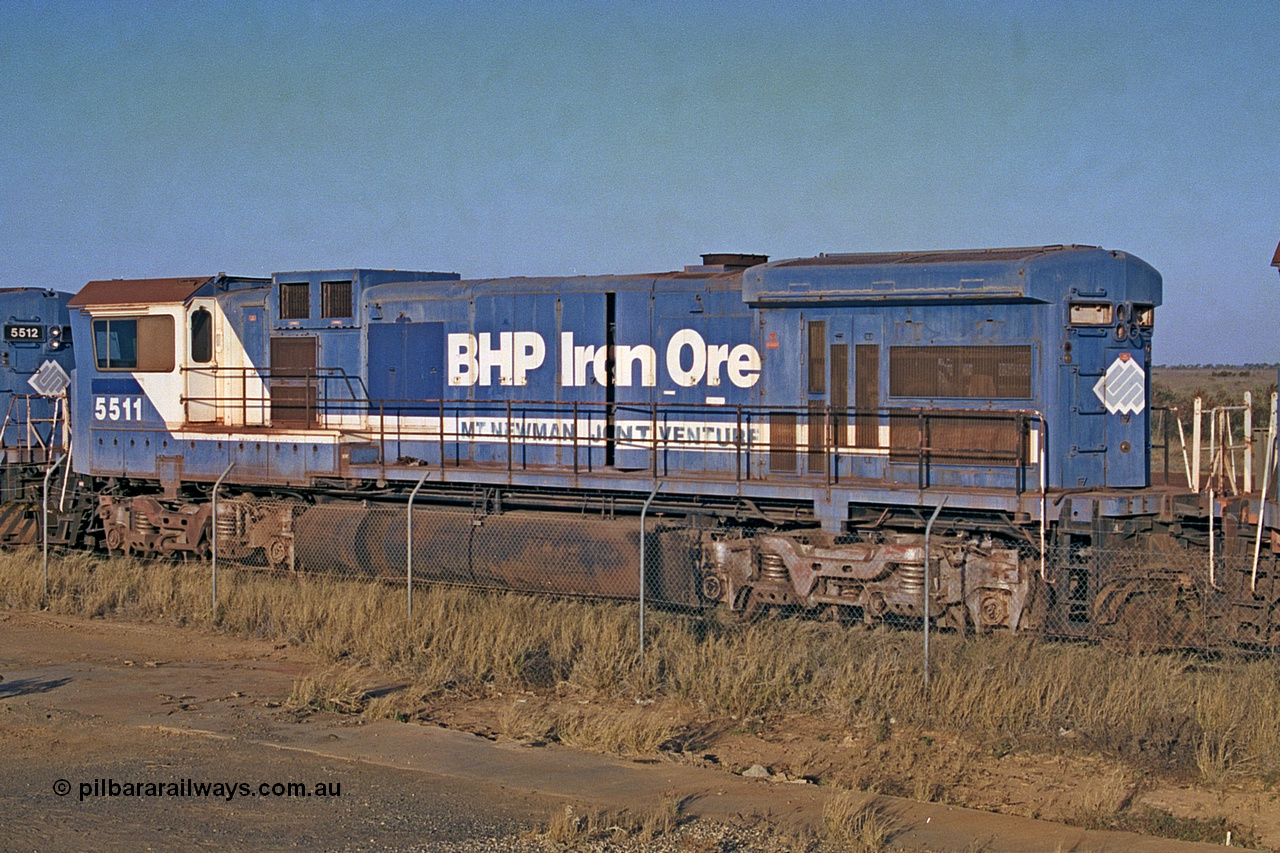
1090, 313
202, 336
139, 344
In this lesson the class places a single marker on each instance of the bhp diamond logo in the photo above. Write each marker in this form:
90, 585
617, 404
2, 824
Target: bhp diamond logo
1123, 388
50, 380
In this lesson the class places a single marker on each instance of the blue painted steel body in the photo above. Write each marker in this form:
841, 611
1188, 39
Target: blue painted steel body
34, 329
830, 381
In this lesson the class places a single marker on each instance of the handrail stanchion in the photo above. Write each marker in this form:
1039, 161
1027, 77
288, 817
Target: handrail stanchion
653, 431
443, 446
920, 448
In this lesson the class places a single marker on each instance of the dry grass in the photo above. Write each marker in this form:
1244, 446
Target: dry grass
338, 689
567, 827
626, 731
1164, 712
1216, 386
1145, 820
854, 821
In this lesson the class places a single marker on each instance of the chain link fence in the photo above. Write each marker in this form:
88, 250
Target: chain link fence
464, 546
1158, 595
1164, 596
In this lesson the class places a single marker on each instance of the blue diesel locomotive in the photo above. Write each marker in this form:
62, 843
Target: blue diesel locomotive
36, 361
786, 432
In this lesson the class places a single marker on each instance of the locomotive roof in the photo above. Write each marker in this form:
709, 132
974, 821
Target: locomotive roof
128, 291
1034, 274
148, 291
947, 256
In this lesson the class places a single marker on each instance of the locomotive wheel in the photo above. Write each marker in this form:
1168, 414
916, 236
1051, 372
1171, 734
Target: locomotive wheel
277, 551
993, 609
874, 609
1141, 624
840, 614
1155, 620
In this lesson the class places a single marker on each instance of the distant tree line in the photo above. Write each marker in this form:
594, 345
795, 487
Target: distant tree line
1249, 366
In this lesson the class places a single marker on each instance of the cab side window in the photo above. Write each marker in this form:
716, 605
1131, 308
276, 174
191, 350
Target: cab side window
137, 344
202, 336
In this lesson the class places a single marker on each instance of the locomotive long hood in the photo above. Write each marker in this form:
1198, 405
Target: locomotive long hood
1034, 274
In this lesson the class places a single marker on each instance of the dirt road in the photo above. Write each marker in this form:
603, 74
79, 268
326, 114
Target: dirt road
121, 736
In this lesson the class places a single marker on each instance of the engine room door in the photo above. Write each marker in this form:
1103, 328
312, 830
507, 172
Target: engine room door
827, 371
245, 389
406, 367
293, 382
870, 427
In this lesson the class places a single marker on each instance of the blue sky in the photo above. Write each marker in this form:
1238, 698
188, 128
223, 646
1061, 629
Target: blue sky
511, 138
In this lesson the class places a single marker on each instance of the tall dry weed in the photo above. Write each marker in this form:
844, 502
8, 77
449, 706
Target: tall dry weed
339, 689
856, 822
625, 731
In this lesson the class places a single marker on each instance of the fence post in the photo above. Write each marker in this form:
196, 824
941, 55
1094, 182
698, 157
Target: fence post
1186, 463
1262, 494
1044, 495
1248, 441
928, 531
1212, 560
643, 512
213, 557
44, 526
408, 543
1195, 445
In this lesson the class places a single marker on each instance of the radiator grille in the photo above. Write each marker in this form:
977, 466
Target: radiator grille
817, 437
295, 301
991, 438
961, 372
782, 442
817, 357
866, 395
840, 394
335, 299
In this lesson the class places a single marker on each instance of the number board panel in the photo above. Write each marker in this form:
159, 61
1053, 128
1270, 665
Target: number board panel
27, 333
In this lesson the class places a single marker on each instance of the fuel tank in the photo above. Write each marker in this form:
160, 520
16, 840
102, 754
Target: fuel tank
525, 551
